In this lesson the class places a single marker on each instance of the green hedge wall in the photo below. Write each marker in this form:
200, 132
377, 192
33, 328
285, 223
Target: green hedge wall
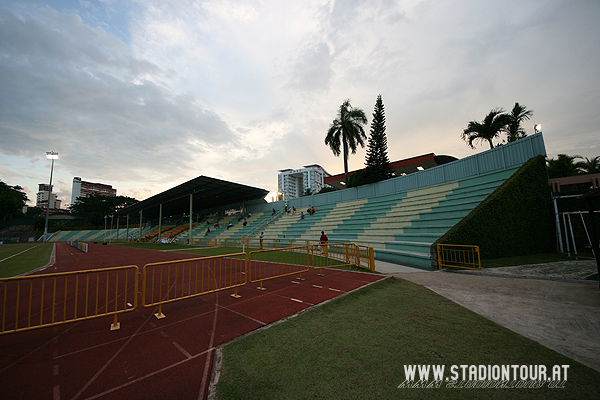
516, 219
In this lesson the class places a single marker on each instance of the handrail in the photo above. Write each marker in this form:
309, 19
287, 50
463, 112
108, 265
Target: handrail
273, 217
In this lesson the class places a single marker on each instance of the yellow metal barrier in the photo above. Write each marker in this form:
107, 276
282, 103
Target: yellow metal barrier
36, 301
269, 264
366, 257
458, 256
169, 281
334, 255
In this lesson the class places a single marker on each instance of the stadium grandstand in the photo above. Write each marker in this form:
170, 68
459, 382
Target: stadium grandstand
400, 217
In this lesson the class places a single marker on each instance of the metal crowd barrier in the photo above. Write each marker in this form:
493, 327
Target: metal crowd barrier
36, 301
366, 257
458, 256
170, 281
275, 263
333, 255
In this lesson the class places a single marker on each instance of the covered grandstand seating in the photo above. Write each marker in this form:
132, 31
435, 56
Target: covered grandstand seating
171, 233
400, 218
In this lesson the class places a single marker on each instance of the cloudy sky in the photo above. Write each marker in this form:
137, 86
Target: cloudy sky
146, 94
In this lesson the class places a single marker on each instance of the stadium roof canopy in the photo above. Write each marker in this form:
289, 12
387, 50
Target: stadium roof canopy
207, 193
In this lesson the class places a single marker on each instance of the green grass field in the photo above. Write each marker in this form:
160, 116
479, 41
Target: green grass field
20, 258
274, 256
355, 347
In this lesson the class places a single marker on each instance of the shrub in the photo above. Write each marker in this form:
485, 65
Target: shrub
516, 219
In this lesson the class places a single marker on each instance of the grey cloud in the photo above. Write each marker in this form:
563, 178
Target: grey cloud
76, 89
312, 70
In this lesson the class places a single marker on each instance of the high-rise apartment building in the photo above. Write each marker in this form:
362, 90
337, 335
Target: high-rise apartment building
84, 189
41, 199
294, 183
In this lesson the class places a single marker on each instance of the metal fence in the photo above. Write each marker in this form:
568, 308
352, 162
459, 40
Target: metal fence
36, 301
458, 256
269, 264
170, 281
333, 255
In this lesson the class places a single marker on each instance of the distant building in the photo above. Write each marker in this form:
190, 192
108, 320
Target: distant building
399, 168
41, 200
84, 189
294, 183
575, 183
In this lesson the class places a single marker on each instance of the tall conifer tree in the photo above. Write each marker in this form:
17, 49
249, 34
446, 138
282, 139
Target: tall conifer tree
377, 161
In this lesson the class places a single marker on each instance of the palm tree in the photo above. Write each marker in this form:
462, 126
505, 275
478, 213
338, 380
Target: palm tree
563, 166
590, 166
514, 131
347, 131
488, 129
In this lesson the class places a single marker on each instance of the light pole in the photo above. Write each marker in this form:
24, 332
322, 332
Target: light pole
50, 155
111, 226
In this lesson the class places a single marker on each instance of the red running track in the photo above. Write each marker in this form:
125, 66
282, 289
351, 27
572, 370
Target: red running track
148, 358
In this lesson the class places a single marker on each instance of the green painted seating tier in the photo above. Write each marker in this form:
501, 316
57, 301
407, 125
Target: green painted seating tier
401, 227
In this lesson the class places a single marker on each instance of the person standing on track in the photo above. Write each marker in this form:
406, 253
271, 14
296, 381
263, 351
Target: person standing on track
323, 240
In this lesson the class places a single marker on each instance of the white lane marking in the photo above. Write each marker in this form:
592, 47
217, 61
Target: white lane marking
181, 349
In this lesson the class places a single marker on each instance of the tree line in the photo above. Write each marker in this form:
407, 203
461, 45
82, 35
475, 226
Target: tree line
92, 208
564, 165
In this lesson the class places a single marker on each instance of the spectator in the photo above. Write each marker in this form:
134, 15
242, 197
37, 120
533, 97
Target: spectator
229, 225
245, 222
323, 240
274, 212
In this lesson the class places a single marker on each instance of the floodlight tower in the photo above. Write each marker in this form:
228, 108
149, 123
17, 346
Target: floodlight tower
50, 155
